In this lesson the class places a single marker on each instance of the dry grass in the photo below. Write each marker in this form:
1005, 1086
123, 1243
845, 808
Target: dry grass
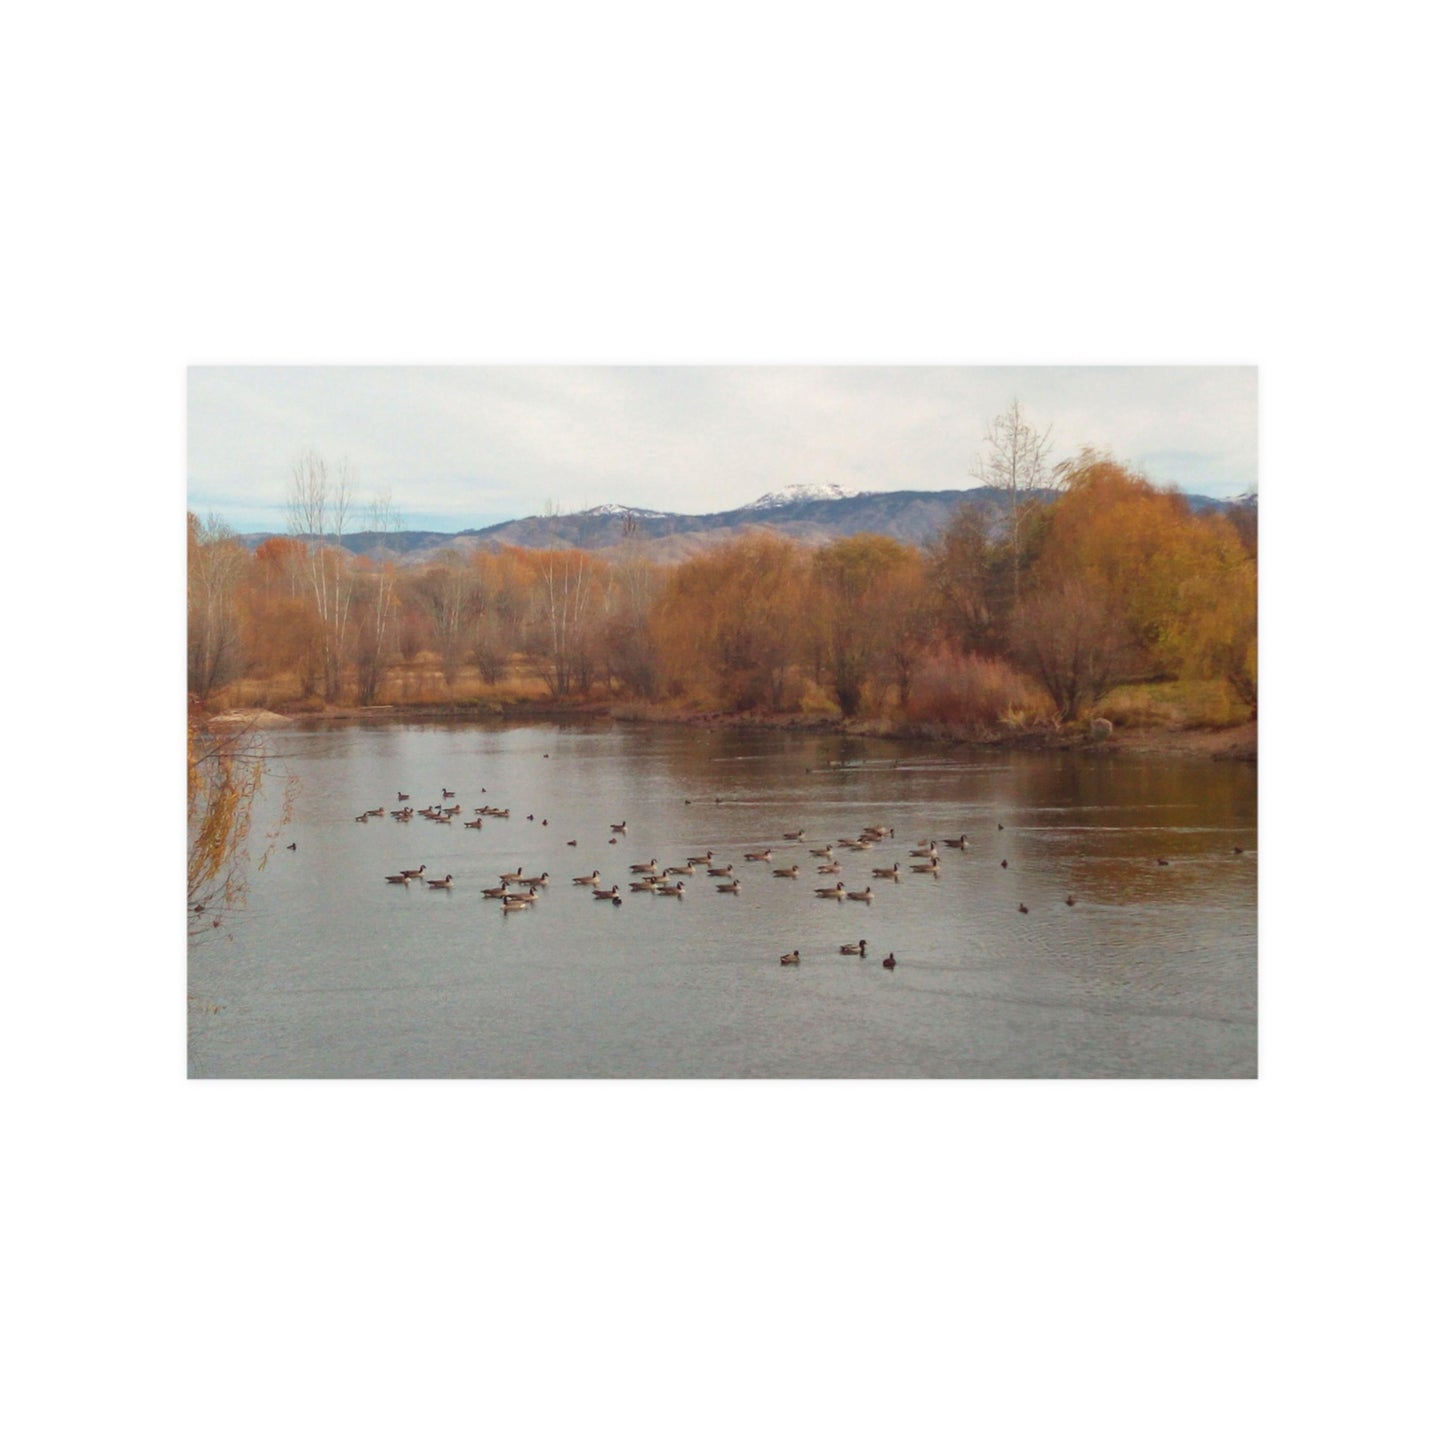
1200, 703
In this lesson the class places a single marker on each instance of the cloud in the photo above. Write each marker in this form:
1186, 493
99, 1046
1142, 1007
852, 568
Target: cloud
463, 446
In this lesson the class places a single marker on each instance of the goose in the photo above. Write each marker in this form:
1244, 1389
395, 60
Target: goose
1071, 900
725, 871
789, 958
794, 837
644, 885
865, 896
1023, 908
860, 845
836, 891
512, 877
928, 851
397, 878
930, 867
475, 823
687, 870
645, 867
959, 842
376, 812
620, 827
440, 882
830, 868
540, 881
291, 848
362, 817
515, 905
761, 855
890, 962
786, 872
403, 797
413, 872
591, 880
609, 894
571, 842
826, 851
701, 859
530, 896
673, 890
500, 891
443, 818
860, 948
501, 812
887, 873
447, 793
729, 887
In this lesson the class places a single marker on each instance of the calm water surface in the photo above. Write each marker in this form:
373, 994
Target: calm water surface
331, 972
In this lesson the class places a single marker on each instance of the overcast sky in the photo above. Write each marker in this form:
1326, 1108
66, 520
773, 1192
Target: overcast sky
459, 447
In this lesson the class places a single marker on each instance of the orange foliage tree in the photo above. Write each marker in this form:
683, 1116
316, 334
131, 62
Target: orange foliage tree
731, 620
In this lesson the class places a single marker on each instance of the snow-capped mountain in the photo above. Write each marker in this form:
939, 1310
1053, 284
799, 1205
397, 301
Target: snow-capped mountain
804, 492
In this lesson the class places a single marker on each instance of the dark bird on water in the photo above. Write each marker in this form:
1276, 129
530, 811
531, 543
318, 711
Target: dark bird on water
1004, 864
1071, 900
291, 848
1162, 862
1023, 908
789, 958
890, 962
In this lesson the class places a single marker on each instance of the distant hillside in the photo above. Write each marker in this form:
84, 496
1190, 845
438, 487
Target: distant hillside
811, 517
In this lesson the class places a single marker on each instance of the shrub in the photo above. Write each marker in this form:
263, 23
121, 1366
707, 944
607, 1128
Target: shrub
969, 691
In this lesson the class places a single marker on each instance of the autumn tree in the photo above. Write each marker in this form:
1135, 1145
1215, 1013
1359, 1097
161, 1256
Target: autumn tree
447, 592
216, 564
866, 587
731, 620
1171, 578
1068, 637
629, 648
225, 769
971, 580
496, 630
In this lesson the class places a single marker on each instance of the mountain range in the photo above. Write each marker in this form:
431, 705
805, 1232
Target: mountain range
810, 514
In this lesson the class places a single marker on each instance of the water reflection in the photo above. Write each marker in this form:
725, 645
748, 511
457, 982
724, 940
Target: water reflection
332, 972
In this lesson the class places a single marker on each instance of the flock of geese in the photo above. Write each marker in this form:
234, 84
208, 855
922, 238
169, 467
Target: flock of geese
518, 890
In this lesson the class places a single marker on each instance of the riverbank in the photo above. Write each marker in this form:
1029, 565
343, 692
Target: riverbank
1237, 743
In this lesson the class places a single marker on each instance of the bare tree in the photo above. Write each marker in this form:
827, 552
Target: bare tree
1017, 463
317, 510
377, 625
559, 635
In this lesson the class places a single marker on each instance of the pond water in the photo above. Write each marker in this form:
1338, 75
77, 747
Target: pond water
330, 972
